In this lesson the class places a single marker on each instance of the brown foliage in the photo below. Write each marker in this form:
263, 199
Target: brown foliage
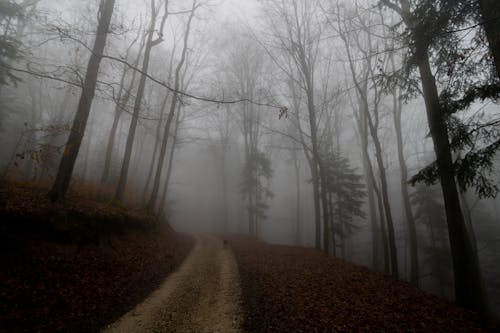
77, 266
290, 289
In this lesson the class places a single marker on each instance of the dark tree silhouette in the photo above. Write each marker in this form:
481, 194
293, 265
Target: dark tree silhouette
61, 183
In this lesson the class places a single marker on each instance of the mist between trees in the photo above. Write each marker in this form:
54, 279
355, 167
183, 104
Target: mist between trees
366, 129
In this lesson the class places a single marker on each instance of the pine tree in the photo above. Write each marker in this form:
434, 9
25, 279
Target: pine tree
10, 12
346, 193
257, 172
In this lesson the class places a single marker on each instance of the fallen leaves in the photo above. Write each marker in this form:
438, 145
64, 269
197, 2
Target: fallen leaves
76, 267
290, 289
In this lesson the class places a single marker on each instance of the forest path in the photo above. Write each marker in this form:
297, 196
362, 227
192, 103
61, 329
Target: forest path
203, 295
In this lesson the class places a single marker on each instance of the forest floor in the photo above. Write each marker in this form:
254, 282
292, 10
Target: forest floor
80, 265
83, 265
292, 289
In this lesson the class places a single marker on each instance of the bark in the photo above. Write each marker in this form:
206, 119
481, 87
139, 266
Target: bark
369, 178
121, 103
86, 155
412, 231
490, 11
373, 125
150, 44
170, 162
302, 57
296, 165
469, 290
372, 183
385, 199
383, 231
314, 173
366, 121
137, 154
327, 216
319, 175
158, 130
67, 164
317, 205
155, 149
114, 127
175, 96
373, 223
468, 219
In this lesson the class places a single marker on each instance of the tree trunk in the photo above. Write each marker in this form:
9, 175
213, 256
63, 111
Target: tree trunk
312, 167
383, 230
374, 225
385, 199
170, 162
155, 149
469, 290
166, 132
317, 205
61, 183
490, 11
121, 103
86, 155
297, 195
122, 182
326, 213
150, 44
412, 231
370, 183
318, 175
468, 219
112, 134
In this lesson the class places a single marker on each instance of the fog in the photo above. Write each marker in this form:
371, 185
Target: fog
299, 122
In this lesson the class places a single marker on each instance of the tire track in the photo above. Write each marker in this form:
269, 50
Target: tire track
203, 295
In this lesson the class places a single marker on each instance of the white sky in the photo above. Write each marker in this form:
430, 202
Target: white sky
222, 9
237, 9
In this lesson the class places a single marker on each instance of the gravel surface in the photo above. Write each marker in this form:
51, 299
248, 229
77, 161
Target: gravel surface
292, 289
202, 296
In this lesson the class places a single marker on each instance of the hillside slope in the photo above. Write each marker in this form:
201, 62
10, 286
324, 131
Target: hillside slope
77, 266
291, 289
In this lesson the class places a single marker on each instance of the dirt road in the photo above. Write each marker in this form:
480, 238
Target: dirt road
202, 296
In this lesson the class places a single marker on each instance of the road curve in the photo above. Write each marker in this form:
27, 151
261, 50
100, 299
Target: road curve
203, 295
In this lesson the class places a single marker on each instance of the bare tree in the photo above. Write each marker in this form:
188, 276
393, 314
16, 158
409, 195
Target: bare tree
297, 34
173, 105
151, 42
397, 109
159, 126
370, 109
122, 99
61, 183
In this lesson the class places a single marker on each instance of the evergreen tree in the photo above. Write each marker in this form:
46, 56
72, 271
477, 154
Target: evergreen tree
346, 194
10, 13
257, 172
451, 80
